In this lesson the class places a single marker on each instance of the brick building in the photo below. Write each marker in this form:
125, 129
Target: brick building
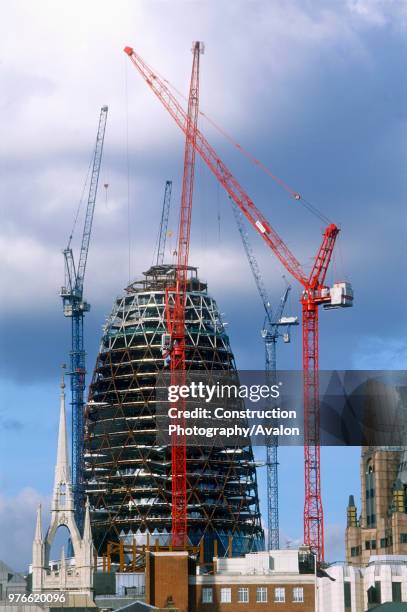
281, 580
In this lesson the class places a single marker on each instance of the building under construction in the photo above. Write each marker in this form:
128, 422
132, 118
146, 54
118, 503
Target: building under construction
127, 475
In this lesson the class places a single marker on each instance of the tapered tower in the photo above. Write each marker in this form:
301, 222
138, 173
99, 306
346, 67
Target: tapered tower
127, 476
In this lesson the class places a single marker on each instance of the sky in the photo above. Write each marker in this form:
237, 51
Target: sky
315, 90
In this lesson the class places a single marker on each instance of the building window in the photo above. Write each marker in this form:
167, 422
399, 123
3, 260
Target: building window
207, 595
355, 551
243, 595
279, 595
298, 594
374, 593
226, 595
403, 538
369, 496
396, 591
261, 595
347, 599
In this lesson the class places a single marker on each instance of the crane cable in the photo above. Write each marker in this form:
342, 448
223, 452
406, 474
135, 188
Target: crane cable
294, 194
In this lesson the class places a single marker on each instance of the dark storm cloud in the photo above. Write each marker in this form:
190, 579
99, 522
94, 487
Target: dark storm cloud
325, 110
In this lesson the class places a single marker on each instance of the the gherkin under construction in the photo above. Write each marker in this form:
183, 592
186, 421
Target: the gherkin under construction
127, 476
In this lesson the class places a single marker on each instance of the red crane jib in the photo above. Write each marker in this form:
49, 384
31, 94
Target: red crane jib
314, 294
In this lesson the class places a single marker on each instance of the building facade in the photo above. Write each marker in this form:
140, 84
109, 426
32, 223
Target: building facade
270, 580
381, 528
281, 580
10, 582
357, 589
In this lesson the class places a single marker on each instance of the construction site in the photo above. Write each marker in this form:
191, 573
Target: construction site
176, 526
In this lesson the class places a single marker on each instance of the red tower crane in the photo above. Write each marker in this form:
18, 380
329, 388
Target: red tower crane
315, 293
175, 307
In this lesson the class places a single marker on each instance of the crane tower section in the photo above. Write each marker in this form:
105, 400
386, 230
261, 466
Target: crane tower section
75, 307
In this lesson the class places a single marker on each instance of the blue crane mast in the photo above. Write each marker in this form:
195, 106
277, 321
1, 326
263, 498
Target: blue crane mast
75, 307
270, 333
164, 223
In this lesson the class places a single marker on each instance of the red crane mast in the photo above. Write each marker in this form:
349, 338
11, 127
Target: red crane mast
315, 293
175, 308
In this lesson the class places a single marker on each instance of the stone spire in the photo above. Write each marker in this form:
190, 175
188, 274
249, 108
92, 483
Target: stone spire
44, 578
87, 531
62, 498
38, 526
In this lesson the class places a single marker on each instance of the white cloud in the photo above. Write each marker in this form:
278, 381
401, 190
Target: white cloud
17, 526
379, 13
375, 353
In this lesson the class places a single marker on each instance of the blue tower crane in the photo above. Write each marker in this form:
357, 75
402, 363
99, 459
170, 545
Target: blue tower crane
75, 307
164, 223
270, 333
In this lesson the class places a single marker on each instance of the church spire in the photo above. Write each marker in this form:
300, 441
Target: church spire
38, 527
87, 531
62, 496
63, 513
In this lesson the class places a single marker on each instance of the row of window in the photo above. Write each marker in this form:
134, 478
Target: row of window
384, 543
261, 595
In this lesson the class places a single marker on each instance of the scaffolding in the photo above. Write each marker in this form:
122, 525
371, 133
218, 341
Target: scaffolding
127, 476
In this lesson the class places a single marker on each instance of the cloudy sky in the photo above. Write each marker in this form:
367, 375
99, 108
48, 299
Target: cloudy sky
316, 90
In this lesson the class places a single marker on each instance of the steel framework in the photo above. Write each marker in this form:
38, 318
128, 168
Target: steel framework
315, 293
75, 308
127, 474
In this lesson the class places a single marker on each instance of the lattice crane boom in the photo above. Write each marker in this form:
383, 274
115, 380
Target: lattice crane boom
162, 239
314, 294
219, 169
90, 209
254, 266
